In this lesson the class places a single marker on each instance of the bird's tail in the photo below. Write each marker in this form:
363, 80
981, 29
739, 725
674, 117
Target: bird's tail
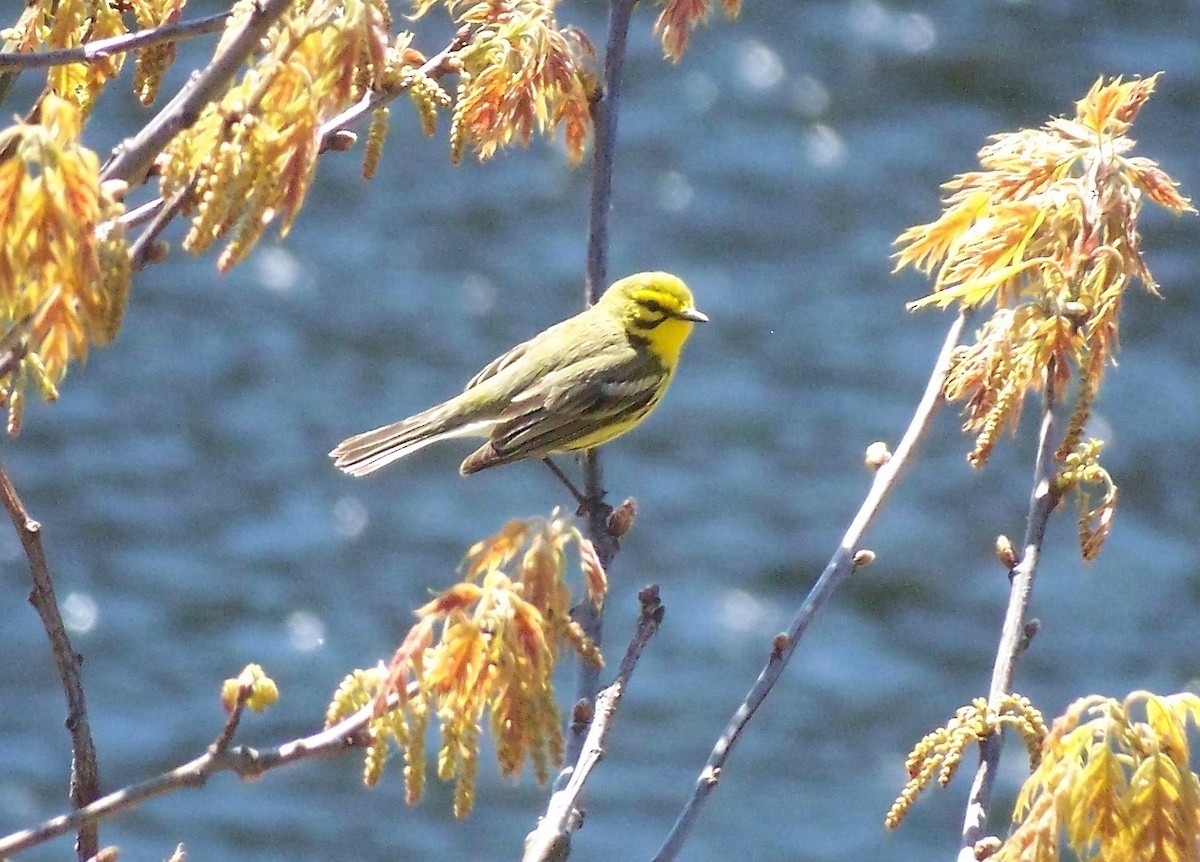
367, 452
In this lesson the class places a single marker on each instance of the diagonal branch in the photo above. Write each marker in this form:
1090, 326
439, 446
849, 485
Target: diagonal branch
840, 567
85, 779
90, 52
1014, 636
132, 159
161, 213
246, 762
551, 840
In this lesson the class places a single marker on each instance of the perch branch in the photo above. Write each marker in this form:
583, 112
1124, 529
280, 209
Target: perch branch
551, 840
132, 159
100, 49
85, 779
840, 566
596, 511
1013, 636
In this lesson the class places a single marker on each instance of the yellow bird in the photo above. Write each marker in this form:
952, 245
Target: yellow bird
576, 385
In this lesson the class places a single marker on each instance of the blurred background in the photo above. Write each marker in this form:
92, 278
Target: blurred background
194, 523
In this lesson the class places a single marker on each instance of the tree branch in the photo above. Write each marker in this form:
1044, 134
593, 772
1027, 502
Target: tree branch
551, 840
436, 67
160, 213
242, 760
1013, 636
840, 566
100, 49
85, 779
132, 159
594, 510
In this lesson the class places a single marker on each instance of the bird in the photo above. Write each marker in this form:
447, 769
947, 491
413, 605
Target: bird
574, 386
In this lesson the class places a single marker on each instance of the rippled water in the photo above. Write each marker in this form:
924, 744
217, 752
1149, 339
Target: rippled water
194, 523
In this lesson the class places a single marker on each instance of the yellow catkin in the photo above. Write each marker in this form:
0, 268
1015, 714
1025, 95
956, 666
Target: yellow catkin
376, 135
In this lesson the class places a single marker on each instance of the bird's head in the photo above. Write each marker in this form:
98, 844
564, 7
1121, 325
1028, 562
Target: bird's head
656, 308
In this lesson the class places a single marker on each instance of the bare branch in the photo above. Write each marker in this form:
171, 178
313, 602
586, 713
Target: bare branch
242, 760
595, 510
132, 159
85, 779
102, 48
551, 840
840, 566
1013, 636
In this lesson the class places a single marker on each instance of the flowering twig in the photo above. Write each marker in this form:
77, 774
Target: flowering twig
161, 214
85, 780
132, 159
840, 566
100, 49
1014, 636
436, 67
552, 838
242, 760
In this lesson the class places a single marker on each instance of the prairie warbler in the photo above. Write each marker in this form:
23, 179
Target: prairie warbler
576, 385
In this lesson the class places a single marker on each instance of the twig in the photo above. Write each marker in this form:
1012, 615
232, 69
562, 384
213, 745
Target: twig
242, 760
604, 115
85, 779
90, 52
14, 344
137, 216
437, 66
551, 840
161, 214
840, 566
132, 159
141, 251
1013, 636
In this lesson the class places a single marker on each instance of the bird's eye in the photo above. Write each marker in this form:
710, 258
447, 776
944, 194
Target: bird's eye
653, 306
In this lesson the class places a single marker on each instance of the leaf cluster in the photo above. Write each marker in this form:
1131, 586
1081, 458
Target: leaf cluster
1115, 781
1047, 233
489, 644
940, 751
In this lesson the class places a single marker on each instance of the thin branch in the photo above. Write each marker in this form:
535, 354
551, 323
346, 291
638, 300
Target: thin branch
551, 840
85, 779
160, 215
596, 511
100, 49
132, 159
840, 566
246, 762
141, 251
1013, 636
14, 344
604, 115
439, 65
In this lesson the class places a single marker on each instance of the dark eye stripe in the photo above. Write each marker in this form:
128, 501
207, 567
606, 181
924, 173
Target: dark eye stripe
653, 324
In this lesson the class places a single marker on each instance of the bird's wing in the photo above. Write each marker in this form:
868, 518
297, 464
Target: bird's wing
571, 405
570, 340
499, 364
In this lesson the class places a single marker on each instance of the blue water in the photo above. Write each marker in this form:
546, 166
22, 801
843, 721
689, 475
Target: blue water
194, 524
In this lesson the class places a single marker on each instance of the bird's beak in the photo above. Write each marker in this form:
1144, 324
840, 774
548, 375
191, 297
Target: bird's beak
693, 315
